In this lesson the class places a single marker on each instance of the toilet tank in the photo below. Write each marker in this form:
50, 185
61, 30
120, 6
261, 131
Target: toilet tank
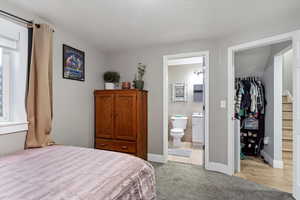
179, 121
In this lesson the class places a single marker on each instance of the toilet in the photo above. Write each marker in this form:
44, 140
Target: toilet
178, 126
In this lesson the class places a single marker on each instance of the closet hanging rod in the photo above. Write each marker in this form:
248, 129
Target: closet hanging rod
18, 19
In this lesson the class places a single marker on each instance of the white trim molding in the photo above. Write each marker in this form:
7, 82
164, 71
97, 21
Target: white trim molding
166, 58
218, 167
12, 127
156, 158
296, 115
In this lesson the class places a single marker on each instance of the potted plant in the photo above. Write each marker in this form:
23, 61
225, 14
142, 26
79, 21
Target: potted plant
110, 79
138, 80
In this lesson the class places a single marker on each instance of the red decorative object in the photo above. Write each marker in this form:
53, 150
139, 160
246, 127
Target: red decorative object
126, 85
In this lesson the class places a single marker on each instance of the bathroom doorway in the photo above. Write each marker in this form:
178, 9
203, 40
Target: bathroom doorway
186, 107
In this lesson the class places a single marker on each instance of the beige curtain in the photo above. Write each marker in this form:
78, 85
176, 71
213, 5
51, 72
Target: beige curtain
39, 97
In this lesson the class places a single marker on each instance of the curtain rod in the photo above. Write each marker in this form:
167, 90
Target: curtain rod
19, 19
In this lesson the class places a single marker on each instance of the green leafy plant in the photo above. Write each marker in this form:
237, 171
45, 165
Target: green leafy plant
141, 71
138, 79
111, 77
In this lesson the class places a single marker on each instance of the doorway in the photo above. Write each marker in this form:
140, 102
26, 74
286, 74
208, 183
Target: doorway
186, 105
268, 141
261, 143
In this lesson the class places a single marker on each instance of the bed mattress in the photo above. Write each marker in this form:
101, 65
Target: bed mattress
73, 173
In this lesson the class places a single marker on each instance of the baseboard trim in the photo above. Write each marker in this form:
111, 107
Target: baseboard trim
273, 163
278, 164
156, 158
218, 167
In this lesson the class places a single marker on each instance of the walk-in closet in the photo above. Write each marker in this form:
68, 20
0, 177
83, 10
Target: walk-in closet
263, 115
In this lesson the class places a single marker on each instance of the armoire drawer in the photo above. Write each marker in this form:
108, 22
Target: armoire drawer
104, 144
115, 145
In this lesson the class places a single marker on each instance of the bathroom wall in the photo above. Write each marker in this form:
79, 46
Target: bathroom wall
185, 74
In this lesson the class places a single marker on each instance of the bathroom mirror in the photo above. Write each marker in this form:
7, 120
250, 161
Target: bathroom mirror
179, 92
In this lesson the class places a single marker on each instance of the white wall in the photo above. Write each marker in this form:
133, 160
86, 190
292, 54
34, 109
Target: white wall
268, 81
185, 74
244, 36
73, 103
288, 72
125, 62
73, 100
252, 62
10, 143
272, 76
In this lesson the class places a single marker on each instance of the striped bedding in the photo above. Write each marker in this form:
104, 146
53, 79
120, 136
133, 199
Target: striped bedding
73, 173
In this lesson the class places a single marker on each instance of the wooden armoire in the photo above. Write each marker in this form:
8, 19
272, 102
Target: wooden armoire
121, 121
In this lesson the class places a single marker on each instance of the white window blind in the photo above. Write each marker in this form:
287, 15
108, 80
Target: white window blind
5, 76
13, 75
1, 86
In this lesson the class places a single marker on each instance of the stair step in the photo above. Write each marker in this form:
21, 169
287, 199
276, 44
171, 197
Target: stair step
287, 133
287, 155
287, 128
288, 138
287, 115
287, 145
286, 99
287, 150
287, 107
287, 123
288, 162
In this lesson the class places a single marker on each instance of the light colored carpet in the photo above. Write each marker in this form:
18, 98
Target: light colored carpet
180, 152
178, 181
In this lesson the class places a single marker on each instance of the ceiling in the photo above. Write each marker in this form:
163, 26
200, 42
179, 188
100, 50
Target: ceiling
120, 24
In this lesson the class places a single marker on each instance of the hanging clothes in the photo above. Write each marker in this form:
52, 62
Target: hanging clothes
250, 105
249, 97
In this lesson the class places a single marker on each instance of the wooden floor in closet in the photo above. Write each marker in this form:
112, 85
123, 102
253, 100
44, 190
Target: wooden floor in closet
254, 169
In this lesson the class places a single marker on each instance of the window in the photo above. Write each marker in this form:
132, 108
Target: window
5, 62
13, 74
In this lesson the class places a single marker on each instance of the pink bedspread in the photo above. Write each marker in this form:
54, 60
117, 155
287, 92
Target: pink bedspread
72, 173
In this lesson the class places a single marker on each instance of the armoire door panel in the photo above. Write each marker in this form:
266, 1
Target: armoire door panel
125, 116
104, 115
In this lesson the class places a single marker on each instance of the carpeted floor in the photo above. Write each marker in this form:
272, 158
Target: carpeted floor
178, 181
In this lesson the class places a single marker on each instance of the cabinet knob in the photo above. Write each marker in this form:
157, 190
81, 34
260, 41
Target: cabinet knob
124, 147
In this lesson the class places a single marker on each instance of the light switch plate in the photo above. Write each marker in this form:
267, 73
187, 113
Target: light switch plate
223, 103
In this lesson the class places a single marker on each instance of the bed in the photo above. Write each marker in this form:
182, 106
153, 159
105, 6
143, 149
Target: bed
73, 173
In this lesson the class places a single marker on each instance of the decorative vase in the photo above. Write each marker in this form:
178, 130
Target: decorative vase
126, 85
139, 84
109, 86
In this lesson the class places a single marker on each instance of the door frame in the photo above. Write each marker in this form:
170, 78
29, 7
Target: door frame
166, 97
295, 37
277, 161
